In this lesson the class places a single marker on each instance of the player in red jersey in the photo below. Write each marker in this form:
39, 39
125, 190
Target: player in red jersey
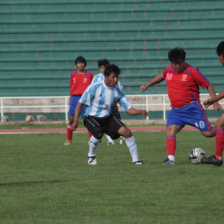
183, 81
80, 79
217, 159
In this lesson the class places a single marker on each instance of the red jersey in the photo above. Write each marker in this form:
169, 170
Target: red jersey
79, 82
183, 88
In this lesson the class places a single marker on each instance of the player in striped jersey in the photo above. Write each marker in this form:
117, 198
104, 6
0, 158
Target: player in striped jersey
100, 77
183, 81
98, 118
217, 159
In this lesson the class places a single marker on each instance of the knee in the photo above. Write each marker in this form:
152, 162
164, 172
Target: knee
209, 133
125, 132
71, 119
220, 122
170, 131
98, 133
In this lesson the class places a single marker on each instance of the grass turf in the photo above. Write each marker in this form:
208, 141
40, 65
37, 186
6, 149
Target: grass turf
42, 181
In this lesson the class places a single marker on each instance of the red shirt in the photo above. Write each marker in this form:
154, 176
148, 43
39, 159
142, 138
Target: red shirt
183, 88
79, 82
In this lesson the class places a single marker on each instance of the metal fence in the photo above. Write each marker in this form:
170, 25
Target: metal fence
60, 104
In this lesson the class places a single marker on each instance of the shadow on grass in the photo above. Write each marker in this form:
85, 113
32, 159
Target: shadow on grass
30, 183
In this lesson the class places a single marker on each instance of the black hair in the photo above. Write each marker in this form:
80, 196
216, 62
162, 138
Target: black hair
220, 49
103, 62
176, 54
80, 59
111, 68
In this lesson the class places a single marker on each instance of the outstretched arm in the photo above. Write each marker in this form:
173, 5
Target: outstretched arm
212, 93
154, 81
209, 102
132, 111
76, 116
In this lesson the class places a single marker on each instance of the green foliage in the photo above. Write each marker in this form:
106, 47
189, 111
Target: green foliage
42, 181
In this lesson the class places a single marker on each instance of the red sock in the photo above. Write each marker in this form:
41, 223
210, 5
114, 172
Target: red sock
69, 133
90, 134
219, 143
171, 145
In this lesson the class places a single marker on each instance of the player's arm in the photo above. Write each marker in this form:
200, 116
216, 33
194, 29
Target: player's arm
76, 116
212, 93
209, 102
154, 81
132, 111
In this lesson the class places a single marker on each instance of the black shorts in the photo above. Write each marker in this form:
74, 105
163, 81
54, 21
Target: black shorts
108, 125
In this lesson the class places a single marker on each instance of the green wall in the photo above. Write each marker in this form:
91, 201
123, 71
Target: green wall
39, 41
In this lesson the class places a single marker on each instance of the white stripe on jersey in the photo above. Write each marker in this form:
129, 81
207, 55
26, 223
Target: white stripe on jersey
99, 99
97, 78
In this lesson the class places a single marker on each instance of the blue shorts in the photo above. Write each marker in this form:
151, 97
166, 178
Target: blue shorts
192, 114
73, 103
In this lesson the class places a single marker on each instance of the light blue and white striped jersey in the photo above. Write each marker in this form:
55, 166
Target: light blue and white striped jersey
99, 98
100, 77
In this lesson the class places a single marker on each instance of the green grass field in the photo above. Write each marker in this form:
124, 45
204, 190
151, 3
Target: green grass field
44, 182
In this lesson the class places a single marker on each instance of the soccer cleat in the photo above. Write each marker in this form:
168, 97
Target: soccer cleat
92, 160
139, 162
169, 162
67, 142
110, 142
121, 140
211, 160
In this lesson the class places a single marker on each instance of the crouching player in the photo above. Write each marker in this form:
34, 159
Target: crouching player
98, 117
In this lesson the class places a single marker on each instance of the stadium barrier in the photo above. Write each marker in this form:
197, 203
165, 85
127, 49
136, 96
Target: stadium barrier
158, 105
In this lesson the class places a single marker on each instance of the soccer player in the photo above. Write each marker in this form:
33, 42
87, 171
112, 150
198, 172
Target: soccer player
100, 77
98, 117
217, 159
183, 81
80, 79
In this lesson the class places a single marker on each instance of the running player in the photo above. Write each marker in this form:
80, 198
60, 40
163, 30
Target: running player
183, 81
80, 79
219, 125
98, 117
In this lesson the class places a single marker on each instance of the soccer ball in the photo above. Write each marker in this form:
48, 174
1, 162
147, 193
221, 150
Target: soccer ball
196, 154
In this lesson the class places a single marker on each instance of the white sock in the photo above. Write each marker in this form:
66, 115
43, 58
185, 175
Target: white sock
109, 138
93, 142
171, 157
132, 146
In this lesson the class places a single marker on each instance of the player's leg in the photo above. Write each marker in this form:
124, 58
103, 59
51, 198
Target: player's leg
72, 105
171, 132
219, 140
94, 126
217, 158
69, 131
110, 141
116, 113
116, 128
131, 144
174, 125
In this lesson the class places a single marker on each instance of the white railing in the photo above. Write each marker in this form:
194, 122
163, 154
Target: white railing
60, 105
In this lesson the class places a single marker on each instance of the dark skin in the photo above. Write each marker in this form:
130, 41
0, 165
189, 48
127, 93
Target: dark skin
111, 81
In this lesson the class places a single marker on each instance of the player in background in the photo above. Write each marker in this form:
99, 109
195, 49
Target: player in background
217, 159
80, 79
183, 81
100, 77
98, 117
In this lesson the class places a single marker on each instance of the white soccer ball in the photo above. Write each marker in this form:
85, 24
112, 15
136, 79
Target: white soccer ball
196, 154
